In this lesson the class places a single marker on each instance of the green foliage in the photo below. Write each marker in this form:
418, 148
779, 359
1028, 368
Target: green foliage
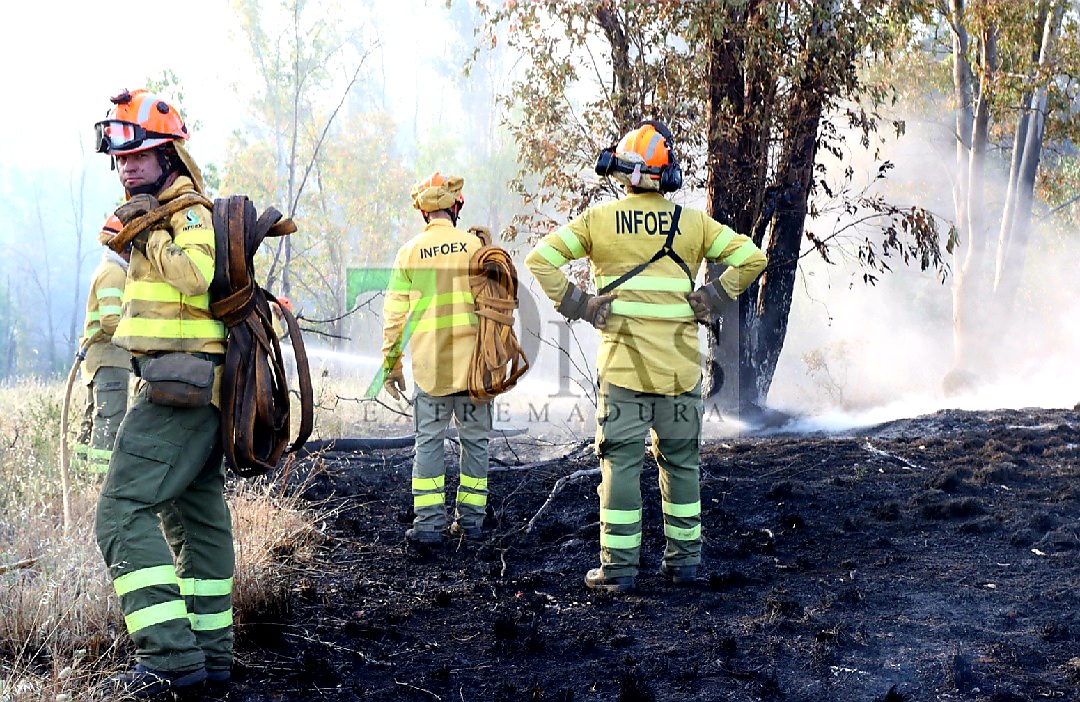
593, 69
315, 152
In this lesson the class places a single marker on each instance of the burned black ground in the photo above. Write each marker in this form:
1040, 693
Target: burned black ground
926, 559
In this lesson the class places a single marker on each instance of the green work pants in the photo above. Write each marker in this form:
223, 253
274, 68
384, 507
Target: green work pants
175, 590
106, 403
431, 417
622, 418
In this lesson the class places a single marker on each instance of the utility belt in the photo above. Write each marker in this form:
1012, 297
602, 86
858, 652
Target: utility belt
176, 379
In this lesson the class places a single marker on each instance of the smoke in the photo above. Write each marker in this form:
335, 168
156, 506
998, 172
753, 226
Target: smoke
858, 354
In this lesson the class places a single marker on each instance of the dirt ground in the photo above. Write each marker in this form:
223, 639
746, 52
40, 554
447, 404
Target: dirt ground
926, 559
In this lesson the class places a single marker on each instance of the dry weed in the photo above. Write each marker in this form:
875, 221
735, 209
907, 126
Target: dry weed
61, 629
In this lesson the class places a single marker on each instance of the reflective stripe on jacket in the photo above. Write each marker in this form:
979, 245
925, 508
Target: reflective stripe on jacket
102, 316
166, 299
651, 340
429, 305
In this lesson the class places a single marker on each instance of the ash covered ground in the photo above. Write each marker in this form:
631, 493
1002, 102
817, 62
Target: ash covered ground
926, 559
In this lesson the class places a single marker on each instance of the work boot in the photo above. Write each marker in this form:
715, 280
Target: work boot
680, 576
459, 530
423, 536
217, 680
143, 683
595, 580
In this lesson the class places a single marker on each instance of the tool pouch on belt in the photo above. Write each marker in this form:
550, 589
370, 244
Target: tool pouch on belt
178, 379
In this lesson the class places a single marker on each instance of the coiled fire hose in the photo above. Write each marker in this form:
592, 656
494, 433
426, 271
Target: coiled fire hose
498, 360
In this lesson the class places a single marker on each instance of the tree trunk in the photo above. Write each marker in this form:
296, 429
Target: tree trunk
762, 311
1012, 250
625, 106
737, 170
973, 281
775, 288
962, 93
1008, 217
964, 298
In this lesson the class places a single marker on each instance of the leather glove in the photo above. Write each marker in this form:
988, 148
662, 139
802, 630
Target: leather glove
707, 302
594, 309
136, 207
597, 310
395, 383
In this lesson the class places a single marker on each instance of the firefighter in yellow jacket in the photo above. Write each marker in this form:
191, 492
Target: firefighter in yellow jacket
106, 368
166, 473
645, 253
429, 305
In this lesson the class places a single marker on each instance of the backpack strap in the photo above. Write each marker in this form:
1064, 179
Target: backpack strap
666, 251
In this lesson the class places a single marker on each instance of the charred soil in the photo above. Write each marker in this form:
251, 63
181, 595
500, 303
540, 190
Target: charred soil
926, 559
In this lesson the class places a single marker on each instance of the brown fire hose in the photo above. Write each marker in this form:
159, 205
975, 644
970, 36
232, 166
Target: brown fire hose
65, 440
498, 360
137, 225
255, 407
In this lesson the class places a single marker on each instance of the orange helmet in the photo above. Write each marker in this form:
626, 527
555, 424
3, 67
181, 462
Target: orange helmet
437, 192
644, 158
647, 143
138, 121
111, 228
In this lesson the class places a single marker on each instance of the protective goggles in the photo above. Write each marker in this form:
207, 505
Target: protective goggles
113, 135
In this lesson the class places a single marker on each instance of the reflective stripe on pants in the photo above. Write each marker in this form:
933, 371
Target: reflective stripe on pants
623, 416
431, 417
166, 473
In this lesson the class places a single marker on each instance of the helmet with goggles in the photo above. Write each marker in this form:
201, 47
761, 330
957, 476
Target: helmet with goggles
644, 158
139, 120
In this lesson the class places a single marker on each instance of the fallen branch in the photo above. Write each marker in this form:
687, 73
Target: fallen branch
569, 455
885, 454
18, 565
559, 484
418, 689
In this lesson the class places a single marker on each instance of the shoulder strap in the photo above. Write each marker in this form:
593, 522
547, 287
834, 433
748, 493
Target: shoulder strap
666, 251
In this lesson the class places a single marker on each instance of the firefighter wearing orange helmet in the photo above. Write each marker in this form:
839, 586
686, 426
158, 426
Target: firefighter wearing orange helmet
429, 306
645, 253
166, 473
106, 368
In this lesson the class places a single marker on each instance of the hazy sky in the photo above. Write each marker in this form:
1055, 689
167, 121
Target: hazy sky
62, 59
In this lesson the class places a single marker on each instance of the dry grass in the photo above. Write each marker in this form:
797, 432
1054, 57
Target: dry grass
61, 629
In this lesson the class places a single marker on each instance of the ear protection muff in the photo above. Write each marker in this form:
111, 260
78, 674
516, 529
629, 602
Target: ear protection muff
671, 178
606, 161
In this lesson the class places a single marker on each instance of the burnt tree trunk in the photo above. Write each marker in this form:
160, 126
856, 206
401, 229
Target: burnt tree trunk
737, 168
744, 360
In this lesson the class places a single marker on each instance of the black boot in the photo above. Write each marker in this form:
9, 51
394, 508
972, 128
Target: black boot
143, 683
595, 580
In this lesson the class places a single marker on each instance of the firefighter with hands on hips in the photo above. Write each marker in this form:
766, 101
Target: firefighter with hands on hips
429, 306
645, 253
166, 473
106, 368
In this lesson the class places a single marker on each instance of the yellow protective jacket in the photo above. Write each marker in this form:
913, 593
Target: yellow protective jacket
102, 315
429, 305
167, 299
650, 343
